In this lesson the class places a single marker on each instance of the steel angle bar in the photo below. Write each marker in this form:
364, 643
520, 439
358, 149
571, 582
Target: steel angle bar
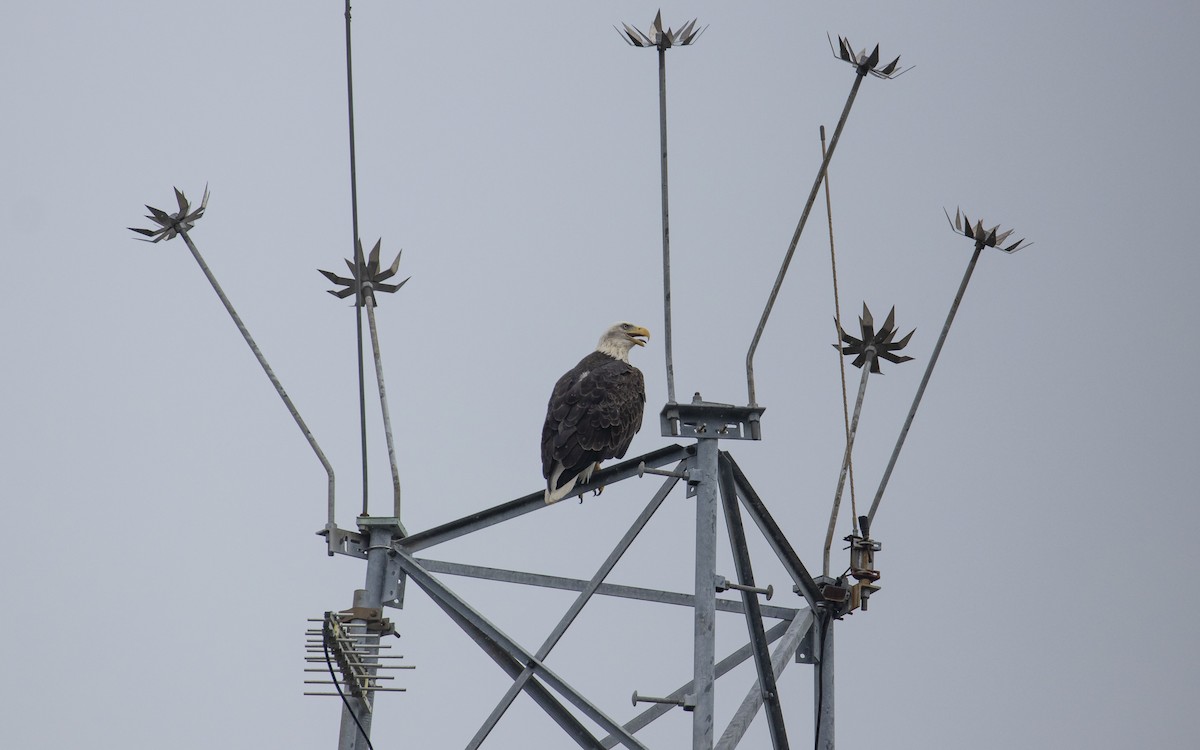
577, 606
703, 471
754, 623
536, 500
605, 589
451, 602
774, 535
781, 657
723, 667
823, 684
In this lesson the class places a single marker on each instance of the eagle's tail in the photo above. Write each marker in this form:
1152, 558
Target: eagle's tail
555, 493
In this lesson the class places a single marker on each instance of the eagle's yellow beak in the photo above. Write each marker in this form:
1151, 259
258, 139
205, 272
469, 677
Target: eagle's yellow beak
636, 332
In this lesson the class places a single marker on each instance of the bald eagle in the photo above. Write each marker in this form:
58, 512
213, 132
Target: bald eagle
594, 411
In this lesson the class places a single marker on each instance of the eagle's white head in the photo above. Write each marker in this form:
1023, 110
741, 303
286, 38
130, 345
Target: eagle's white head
620, 338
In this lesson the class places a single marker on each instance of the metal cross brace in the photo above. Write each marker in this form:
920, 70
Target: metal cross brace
754, 623
482, 631
605, 589
576, 607
797, 630
805, 585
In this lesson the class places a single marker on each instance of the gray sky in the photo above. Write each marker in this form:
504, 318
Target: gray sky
160, 559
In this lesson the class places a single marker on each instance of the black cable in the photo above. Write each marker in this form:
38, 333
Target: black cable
345, 700
820, 667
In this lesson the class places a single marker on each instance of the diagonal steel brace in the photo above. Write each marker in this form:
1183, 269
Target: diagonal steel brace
480, 626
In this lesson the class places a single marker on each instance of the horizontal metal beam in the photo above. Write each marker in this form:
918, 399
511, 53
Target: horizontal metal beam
607, 589
536, 500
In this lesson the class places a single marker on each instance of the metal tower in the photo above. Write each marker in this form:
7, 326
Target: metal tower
347, 650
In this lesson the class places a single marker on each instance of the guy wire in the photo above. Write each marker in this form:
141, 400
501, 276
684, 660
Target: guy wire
837, 316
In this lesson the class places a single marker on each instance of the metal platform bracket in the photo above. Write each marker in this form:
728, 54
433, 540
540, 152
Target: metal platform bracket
701, 419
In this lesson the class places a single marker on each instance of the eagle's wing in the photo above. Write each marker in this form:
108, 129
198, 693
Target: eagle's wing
593, 414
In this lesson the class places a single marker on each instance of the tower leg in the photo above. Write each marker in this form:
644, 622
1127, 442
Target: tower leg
704, 643
823, 683
350, 737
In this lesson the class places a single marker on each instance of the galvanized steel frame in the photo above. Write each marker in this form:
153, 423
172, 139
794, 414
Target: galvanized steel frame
713, 478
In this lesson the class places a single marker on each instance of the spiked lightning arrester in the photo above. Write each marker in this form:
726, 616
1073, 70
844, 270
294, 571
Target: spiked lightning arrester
867, 351
864, 64
180, 223
983, 238
373, 277
664, 39
367, 278
875, 345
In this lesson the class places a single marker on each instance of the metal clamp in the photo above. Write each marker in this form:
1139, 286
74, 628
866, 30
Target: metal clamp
372, 619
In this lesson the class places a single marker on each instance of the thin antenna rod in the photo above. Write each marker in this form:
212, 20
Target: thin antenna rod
666, 230
287, 401
358, 263
787, 259
383, 403
933, 358
837, 320
663, 39
863, 63
851, 432
983, 238
371, 278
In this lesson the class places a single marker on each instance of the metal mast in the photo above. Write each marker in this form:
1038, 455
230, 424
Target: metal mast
663, 40
348, 646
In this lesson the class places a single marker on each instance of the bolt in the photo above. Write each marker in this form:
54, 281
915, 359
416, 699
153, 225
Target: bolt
649, 699
643, 470
724, 583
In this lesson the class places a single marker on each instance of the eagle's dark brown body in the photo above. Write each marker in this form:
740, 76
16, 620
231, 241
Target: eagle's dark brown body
593, 414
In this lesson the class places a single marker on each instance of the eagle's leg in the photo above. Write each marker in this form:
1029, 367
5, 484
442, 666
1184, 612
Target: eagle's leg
586, 476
